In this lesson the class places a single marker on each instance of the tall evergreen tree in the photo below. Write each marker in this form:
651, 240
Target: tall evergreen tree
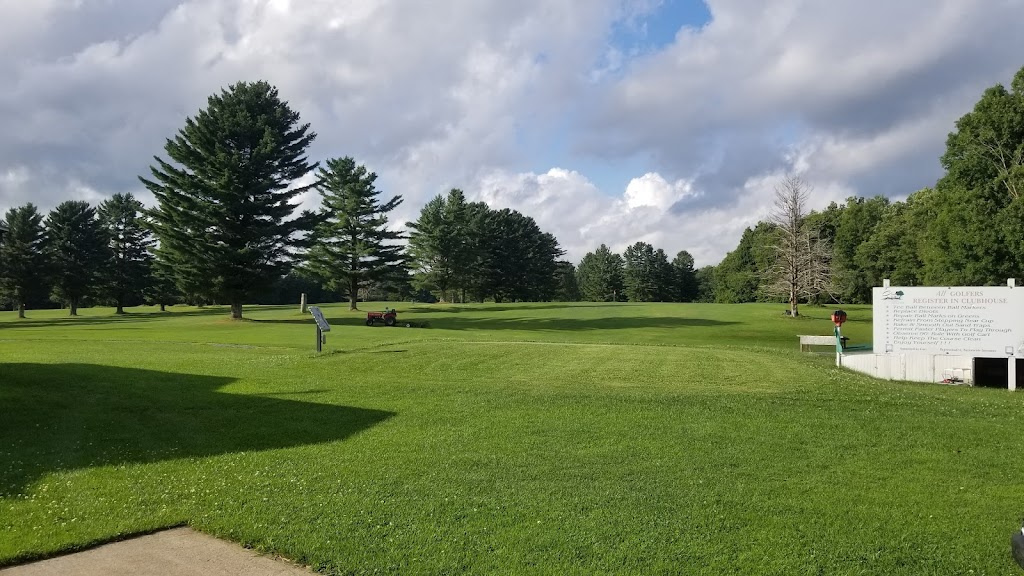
129, 244
600, 276
476, 278
352, 244
24, 257
567, 288
440, 245
224, 220
161, 288
640, 274
77, 251
665, 278
685, 277
519, 259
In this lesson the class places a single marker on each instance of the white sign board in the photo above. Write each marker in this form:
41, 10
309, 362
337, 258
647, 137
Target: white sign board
985, 321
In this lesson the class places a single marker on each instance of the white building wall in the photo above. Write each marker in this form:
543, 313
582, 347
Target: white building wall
910, 367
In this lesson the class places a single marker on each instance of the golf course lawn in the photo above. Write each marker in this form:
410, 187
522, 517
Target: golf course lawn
511, 438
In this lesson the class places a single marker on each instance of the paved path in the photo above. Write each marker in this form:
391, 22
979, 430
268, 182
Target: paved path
175, 552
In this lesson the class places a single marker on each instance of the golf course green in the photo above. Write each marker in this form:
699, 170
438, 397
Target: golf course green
591, 438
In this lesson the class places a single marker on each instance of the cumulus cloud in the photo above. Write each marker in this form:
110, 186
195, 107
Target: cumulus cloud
583, 217
424, 94
856, 95
867, 89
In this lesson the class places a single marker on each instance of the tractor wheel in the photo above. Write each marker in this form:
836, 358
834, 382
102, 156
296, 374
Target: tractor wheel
369, 321
389, 321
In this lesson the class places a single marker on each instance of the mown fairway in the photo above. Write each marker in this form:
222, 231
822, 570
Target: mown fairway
544, 438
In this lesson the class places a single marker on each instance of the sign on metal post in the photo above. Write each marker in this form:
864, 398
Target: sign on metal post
321, 326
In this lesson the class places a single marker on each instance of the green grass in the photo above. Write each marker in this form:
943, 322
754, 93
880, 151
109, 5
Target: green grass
544, 438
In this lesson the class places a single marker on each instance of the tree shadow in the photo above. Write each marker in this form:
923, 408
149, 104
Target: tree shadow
308, 321
575, 324
57, 417
131, 317
475, 307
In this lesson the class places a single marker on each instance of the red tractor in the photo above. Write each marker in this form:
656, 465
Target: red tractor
388, 317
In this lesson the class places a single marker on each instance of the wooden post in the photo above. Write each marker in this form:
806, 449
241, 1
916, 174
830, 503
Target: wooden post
303, 303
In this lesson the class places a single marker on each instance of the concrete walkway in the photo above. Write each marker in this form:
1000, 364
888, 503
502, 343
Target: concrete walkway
175, 552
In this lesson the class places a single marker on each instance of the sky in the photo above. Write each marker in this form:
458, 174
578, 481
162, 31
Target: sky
607, 121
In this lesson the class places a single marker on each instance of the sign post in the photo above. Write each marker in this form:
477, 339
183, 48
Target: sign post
1011, 367
321, 327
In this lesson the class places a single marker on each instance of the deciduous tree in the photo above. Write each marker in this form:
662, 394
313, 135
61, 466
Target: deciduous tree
802, 259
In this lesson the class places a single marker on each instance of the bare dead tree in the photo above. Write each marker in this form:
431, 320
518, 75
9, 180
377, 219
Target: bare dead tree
802, 267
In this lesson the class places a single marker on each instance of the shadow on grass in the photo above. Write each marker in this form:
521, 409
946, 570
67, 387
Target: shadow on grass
575, 324
57, 417
308, 321
132, 317
476, 307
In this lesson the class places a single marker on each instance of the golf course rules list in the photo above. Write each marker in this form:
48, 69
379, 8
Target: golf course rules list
986, 321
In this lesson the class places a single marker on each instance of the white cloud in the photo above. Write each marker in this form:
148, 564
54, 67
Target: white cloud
857, 95
583, 217
653, 190
874, 85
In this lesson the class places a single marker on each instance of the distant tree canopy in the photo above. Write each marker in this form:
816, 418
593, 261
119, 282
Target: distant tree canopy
466, 251
516, 260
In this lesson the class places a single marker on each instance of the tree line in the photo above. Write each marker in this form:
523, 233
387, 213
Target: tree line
968, 229
226, 230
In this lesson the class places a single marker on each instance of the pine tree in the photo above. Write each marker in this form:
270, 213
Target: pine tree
440, 244
129, 244
667, 289
685, 277
223, 216
161, 289
567, 287
519, 259
640, 273
23, 253
352, 245
78, 251
600, 276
